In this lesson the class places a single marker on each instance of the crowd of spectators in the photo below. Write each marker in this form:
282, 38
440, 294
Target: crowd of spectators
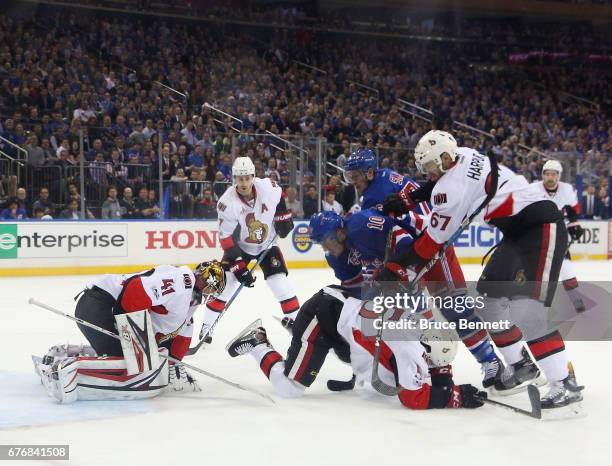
61, 77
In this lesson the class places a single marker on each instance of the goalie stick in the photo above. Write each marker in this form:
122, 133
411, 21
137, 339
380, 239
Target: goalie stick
169, 358
194, 349
376, 381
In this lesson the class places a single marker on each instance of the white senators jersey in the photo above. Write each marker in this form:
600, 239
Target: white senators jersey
564, 195
462, 189
165, 291
408, 353
255, 218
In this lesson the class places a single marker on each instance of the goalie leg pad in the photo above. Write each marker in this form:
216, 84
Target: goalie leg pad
138, 341
102, 378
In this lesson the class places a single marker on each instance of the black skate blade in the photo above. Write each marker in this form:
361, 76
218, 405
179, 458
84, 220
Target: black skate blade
539, 381
572, 411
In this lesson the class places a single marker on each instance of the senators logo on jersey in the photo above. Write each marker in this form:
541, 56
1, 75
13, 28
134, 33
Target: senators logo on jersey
258, 231
440, 198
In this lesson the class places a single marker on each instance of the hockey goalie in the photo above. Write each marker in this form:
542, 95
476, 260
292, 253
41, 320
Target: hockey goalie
152, 313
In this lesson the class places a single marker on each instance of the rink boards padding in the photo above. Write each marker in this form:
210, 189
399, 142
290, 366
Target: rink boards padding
93, 247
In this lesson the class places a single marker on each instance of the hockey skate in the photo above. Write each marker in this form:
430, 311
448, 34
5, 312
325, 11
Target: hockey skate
565, 394
516, 377
252, 336
491, 370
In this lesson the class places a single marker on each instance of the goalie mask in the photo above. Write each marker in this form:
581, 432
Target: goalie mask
210, 277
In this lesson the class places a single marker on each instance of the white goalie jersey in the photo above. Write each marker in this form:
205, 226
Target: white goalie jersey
255, 217
165, 291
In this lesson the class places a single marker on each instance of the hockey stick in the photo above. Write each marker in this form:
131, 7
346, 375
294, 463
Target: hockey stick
169, 358
194, 349
376, 382
534, 399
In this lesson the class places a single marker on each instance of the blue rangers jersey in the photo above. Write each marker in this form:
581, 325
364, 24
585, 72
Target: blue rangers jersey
365, 247
386, 182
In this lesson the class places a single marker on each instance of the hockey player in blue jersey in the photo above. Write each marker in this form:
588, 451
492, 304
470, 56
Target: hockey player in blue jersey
357, 243
374, 185
446, 277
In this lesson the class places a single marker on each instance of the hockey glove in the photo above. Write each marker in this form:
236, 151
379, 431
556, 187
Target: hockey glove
283, 223
242, 273
179, 380
397, 204
391, 272
575, 231
466, 396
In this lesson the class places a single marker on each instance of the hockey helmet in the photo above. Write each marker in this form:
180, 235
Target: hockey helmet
553, 165
440, 347
362, 159
243, 166
431, 147
213, 276
324, 225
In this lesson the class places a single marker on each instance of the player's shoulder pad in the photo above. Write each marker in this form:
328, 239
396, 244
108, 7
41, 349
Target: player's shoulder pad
392, 176
226, 199
359, 219
266, 185
187, 278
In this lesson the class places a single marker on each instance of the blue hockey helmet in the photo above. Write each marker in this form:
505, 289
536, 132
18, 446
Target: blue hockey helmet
324, 225
362, 159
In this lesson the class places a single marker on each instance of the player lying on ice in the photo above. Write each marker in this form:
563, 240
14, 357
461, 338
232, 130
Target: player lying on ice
332, 319
520, 279
165, 297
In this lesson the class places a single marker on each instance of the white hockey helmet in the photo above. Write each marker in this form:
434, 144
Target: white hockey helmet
243, 166
553, 165
431, 147
440, 346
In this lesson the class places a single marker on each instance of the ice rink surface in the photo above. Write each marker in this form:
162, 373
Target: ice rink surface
224, 426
